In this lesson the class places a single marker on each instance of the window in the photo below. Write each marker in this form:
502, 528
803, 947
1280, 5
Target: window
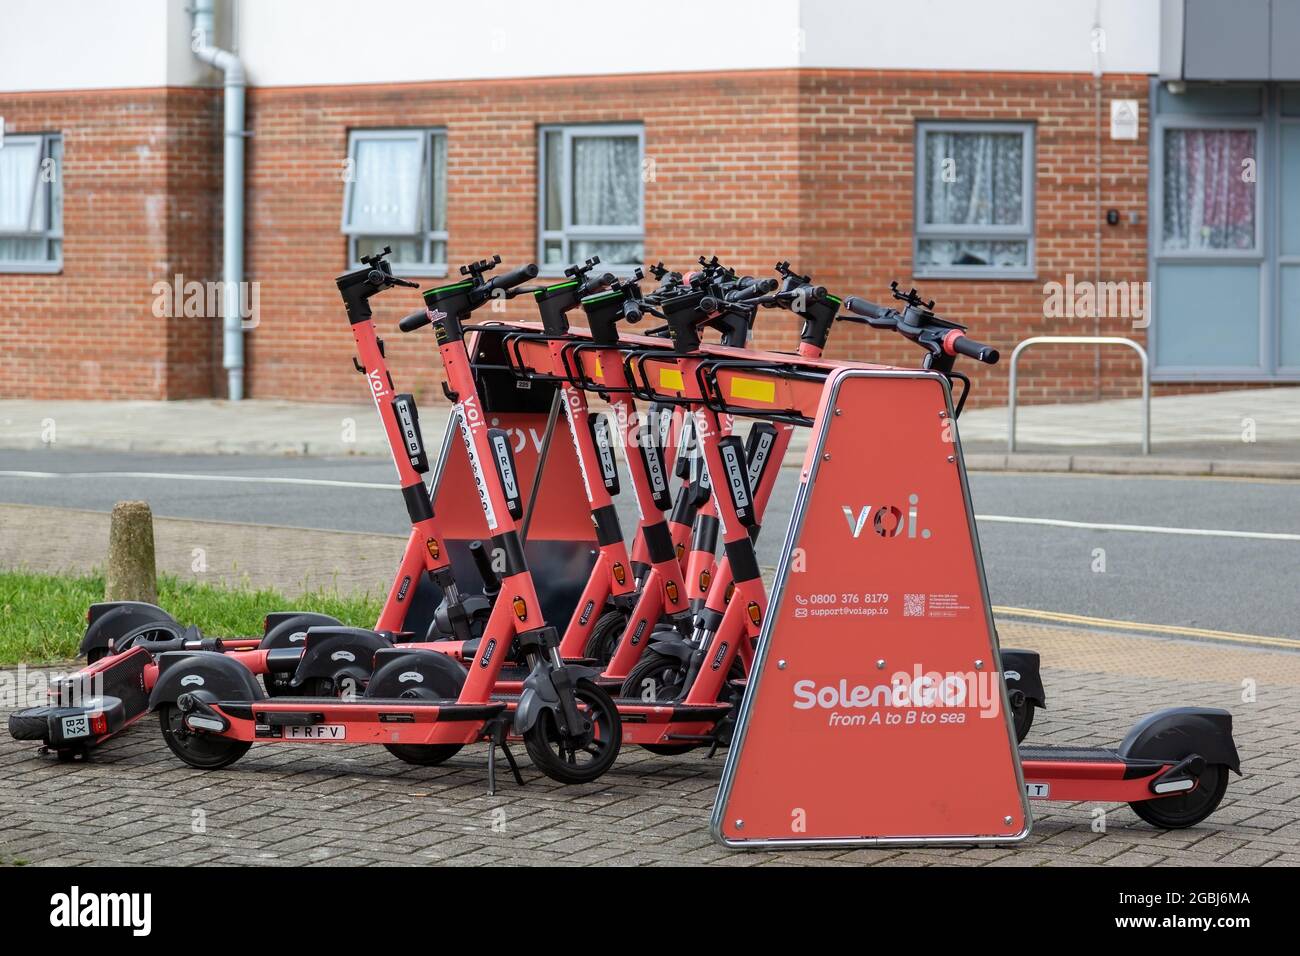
31, 203
396, 195
591, 196
1208, 191
974, 200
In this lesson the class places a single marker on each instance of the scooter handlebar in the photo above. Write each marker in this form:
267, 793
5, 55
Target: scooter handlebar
511, 279
954, 343
868, 310
752, 290
416, 320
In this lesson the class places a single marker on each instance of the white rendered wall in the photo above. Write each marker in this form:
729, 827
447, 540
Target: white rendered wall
108, 44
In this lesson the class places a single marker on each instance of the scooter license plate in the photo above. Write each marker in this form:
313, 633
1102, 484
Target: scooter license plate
316, 732
78, 726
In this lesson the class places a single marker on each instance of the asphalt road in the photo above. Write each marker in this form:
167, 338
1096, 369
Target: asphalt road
1231, 561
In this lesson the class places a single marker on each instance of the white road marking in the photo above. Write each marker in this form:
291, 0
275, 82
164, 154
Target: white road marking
380, 486
1141, 528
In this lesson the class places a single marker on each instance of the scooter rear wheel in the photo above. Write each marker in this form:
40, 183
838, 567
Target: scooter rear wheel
660, 677
582, 759
1023, 718
204, 751
1186, 809
605, 636
437, 683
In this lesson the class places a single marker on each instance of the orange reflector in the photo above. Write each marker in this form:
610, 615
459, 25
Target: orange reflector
731, 589
620, 573
671, 588
434, 550
755, 615
521, 609
705, 578
681, 549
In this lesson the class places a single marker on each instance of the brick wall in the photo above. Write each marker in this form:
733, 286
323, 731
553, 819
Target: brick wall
141, 185
817, 166
733, 133
857, 139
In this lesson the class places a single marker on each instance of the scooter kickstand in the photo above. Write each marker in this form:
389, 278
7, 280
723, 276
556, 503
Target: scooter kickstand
499, 740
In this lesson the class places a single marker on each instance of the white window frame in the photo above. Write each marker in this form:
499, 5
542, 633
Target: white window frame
1021, 232
53, 231
423, 225
568, 232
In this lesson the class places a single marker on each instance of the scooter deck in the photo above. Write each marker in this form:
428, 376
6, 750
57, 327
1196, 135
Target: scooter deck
286, 708
88, 707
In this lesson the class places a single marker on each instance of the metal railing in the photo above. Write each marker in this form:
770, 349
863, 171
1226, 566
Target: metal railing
1081, 340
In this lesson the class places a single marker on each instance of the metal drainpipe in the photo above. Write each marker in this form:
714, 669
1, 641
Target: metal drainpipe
232, 205
1098, 44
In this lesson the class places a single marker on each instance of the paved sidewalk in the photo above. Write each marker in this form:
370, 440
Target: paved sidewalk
1191, 434
134, 803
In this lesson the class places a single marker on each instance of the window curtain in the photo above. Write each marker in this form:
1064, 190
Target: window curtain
386, 195
1208, 206
19, 161
974, 179
981, 186
439, 176
612, 252
554, 181
606, 181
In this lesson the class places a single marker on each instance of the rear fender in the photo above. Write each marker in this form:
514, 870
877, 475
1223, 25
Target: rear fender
1020, 672
283, 627
335, 651
218, 675
1170, 735
108, 621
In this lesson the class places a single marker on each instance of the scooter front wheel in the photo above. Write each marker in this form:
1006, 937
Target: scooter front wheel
581, 758
204, 751
1186, 809
605, 636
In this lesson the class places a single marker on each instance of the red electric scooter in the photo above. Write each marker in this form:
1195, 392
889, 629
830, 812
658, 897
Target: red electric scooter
422, 705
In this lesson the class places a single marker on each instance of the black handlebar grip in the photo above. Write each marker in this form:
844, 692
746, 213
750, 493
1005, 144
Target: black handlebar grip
957, 344
868, 310
416, 320
632, 311
491, 583
753, 290
512, 279
596, 283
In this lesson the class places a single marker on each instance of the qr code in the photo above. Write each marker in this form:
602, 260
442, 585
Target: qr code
913, 605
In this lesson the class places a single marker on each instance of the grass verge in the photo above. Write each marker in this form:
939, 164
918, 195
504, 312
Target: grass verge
42, 616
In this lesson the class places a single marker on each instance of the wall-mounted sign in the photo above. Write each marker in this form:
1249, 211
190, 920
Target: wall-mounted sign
1123, 119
